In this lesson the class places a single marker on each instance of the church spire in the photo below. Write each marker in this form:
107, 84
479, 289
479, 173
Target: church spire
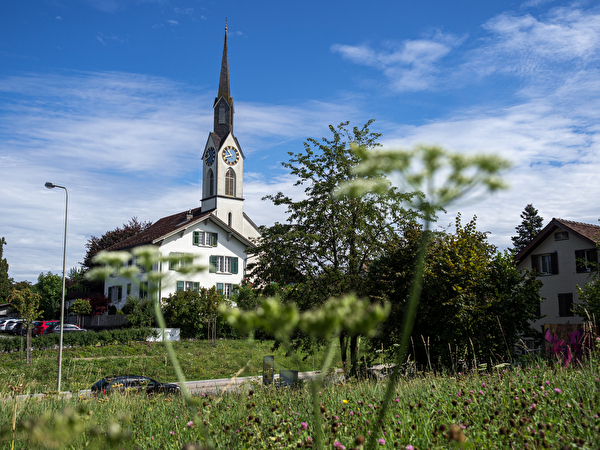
223, 123
224, 78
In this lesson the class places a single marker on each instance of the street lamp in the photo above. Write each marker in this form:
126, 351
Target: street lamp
62, 302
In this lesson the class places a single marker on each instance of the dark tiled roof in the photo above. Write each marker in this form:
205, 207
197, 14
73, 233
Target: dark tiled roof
583, 230
160, 228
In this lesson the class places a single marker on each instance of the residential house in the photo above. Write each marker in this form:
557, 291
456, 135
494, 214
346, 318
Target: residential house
561, 254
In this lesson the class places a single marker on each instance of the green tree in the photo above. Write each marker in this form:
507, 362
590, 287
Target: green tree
5, 281
140, 312
530, 226
473, 297
96, 244
589, 294
328, 241
27, 303
81, 307
49, 287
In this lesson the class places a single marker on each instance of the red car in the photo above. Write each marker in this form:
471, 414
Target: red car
45, 326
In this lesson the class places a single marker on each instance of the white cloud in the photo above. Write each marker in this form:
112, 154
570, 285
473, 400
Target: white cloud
172, 22
410, 65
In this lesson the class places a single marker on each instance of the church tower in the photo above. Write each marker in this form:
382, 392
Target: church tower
223, 160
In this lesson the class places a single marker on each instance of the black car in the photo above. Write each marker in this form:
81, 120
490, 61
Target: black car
133, 383
19, 328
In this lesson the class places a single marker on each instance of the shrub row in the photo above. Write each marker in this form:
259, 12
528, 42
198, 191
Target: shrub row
79, 339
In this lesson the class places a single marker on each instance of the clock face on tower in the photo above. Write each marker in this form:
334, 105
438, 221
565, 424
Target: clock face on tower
231, 155
209, 156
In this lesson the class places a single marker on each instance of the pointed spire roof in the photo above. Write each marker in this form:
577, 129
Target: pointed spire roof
224, 77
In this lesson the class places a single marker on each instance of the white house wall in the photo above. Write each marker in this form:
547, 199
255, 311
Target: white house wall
562, 283
227, 246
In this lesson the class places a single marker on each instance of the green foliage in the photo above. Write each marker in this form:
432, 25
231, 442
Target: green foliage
81, 307
473, 297
140, 312
328, 241
49, 287
589, 295
5, 281
530, 226
189, 310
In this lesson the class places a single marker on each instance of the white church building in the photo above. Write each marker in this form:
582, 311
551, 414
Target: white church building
217, 234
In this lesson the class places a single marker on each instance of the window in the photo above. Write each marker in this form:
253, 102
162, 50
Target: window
226, 289
565, 305
221, 113
144, 290
115, 293
188, 286
211, 183
128, 289
230, 183
546, 264
205, 238
223, 264
177, 263
585, 259
561, 236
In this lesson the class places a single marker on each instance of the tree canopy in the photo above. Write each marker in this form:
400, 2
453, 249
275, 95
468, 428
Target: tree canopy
95, 244
473, 297
49, 287
328, 241
5, 280
530, 226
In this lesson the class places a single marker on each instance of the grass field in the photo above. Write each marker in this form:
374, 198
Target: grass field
200, 360
541, 406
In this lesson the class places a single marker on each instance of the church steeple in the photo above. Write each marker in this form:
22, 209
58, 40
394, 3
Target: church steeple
223, 106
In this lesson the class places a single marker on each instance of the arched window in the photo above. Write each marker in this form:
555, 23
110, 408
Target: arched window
230, 183
222, 113
211, 183
229, 219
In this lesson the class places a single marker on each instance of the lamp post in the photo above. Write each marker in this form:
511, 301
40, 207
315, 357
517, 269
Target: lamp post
62, 302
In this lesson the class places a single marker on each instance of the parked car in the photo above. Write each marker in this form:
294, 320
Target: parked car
44, 327
20, 328
11, 324
133, 384
7, 323
67, 327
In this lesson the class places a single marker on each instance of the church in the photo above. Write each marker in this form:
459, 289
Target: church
217, 233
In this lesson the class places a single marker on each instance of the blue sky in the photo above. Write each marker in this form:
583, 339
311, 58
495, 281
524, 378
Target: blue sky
113, 99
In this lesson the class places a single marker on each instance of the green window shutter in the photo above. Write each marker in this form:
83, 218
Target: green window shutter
234, 265
535, 263
196, 239
220, 288
196, 286
212, 264
215, 239
180, 286
235, 289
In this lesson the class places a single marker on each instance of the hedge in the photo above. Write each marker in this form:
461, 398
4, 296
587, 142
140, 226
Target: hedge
79, 339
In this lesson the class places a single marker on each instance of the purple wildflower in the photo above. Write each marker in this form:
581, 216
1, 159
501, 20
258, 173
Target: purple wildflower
381, 441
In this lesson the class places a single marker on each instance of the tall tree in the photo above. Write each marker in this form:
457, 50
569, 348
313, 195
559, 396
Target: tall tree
5, 281
27, 303
49, 286
96, 244
530, 226
328, 241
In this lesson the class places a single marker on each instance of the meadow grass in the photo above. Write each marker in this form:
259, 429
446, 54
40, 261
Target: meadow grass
200, 360
539, 406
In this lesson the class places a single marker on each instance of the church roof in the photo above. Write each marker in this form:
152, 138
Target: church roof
176, 223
